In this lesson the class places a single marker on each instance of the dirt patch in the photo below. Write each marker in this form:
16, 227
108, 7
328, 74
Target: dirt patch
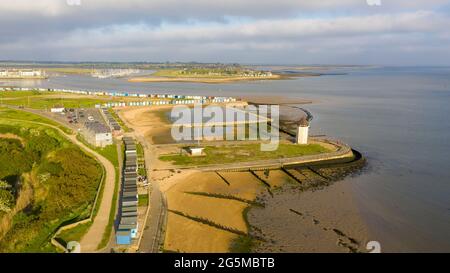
13, 136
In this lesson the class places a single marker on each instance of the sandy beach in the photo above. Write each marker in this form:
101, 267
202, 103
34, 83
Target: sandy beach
202, 80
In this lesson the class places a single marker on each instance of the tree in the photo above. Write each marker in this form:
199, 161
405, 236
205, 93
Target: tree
4, 185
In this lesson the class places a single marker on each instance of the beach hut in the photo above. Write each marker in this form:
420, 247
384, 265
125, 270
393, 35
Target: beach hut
123, 237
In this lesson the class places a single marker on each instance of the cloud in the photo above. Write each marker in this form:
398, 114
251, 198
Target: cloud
252, 31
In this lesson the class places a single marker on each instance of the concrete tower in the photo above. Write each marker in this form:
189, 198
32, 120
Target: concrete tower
302, 131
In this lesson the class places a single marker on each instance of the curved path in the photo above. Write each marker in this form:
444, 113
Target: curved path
94, 236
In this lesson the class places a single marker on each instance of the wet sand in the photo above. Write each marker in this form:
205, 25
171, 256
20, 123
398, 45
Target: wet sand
325, 220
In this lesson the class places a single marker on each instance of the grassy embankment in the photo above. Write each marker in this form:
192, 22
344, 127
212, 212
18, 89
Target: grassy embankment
7, 113
21, 94
52, 183
109, 152
43, 102
242, 153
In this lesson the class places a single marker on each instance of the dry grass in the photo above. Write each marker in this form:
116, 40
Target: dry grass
13, 136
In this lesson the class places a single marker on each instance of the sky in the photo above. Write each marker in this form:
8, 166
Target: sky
372, 32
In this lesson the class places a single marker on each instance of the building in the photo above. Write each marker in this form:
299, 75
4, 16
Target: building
57, 109
195, 151
22, 73
97, 134
123, 237
302, 131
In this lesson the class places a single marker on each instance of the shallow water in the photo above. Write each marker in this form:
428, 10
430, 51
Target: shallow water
399, 118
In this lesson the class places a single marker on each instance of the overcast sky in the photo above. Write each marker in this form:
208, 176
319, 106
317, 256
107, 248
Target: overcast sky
398, 32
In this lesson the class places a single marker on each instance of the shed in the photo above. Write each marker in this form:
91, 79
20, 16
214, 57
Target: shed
195, 151
123, 237
129, 209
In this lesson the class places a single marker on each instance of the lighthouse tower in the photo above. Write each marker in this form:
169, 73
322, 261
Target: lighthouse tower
302, 131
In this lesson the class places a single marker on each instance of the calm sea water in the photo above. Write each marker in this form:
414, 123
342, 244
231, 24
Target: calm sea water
399, 118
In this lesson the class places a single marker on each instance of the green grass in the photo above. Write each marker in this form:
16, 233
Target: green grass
20, 94
8, 113
73, 234
47, 102
109, 152
141, 159
243, 153
143, 200
242, 244
112, 213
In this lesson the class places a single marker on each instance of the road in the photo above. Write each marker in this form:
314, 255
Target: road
93, 237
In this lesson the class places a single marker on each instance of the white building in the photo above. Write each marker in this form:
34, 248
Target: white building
98, 134
195, 151
302, 132
57, 110
21, 73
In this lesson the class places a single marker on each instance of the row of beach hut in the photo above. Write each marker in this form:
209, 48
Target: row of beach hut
128, 224
111, 120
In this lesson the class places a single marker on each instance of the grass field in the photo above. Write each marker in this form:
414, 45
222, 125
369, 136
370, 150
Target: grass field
21, 94
49, 102
7, 113
243, 153
73, 234
143, 200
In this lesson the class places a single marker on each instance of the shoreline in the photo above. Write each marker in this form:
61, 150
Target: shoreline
221, 228
151, 79
200, 80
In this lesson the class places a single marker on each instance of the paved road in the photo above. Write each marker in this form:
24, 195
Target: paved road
93, 237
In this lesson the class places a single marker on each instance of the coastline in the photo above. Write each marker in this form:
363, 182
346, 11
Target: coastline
150, 78
200, 80
319, 218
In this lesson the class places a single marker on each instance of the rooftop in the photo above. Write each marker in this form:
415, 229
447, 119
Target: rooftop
97, 127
